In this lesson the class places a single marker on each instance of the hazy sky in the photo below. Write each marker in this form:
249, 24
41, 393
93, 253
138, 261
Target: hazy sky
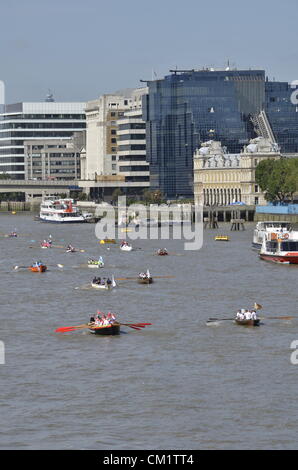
81, 49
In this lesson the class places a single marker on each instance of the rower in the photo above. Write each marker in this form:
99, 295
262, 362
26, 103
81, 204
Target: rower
238, 314
247, 315
253, 315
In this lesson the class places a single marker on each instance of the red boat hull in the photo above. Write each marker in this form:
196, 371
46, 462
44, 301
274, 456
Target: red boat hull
38, 269
281, 259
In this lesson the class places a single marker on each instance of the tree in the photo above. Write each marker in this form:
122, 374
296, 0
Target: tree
278, 179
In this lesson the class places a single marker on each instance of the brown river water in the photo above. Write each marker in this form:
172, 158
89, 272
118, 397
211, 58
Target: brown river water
177, 384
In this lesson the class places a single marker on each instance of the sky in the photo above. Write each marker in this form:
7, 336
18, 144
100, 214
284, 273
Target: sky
80, 49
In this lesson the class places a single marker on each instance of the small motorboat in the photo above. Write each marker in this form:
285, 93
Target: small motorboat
13, 235
38, 268
248, 322
70, 249
222, 238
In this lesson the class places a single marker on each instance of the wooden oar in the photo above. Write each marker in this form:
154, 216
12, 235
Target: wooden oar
277, 318
52, 265
65, 329
219, 319
136, 277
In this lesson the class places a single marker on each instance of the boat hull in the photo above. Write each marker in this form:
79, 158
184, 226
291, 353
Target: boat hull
113, 329
38, 269
248, 322
101, 286
280, 259
145, 281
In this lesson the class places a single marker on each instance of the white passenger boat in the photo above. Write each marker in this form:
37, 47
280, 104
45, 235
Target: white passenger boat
281, 248
263, 228
56, 210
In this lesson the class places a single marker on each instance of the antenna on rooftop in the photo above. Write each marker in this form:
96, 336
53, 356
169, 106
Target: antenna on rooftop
49, 97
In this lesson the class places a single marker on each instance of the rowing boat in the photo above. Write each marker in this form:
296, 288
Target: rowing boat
38, 269
145, 280
162, 252
248, 322
112, 329
101, 286
125, 247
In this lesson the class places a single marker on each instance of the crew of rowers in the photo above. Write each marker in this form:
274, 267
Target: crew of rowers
162, 251
13, 234
47, 243
102, 281
144, 275
103, 320
124, 243
244, 314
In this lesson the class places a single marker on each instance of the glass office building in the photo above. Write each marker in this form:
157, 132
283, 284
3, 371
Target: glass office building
282, 114
187, 108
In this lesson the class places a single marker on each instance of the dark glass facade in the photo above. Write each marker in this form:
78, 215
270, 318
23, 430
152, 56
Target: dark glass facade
187, 108
282, 114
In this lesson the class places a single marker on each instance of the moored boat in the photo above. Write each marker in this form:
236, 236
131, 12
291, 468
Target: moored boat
58, 210
222, 238
280, 248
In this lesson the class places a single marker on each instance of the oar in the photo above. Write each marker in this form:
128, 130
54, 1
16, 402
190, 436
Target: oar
64, 329
134, 278
52, 265
219, 319
277, 318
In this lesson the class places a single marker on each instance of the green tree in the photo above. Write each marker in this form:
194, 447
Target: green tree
278, 179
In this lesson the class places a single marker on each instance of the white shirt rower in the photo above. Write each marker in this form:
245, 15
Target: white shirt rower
253, 315
247, 315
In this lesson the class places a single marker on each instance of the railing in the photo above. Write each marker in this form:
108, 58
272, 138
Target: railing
270, 209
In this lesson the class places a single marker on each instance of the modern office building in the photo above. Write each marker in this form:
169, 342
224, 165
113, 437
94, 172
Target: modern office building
115, 154
53, 159
131, 154
35, 121
282, 114
186, 108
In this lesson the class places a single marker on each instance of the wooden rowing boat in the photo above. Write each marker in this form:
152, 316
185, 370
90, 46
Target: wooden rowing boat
162, 252
145, 280
113, 329
248, 322
107, 240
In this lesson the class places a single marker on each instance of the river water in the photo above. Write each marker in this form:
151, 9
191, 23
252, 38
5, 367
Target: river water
177, 384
